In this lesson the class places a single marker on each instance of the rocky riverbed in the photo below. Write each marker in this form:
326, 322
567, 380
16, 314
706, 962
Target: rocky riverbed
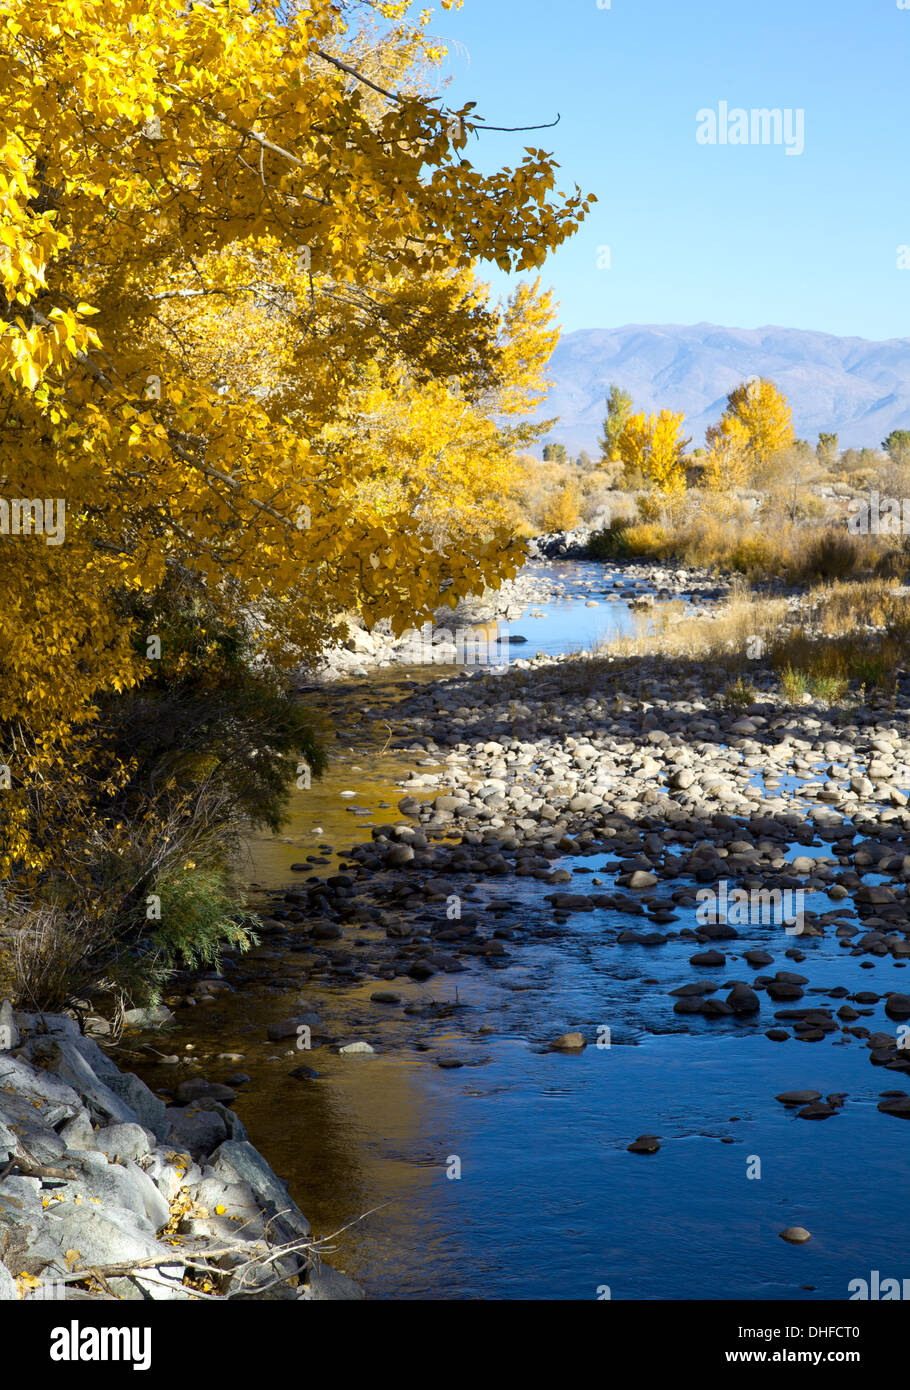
513, 940
558, 931
525, 772
106, 1193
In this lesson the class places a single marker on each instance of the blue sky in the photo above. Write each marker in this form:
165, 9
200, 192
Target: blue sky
741, 235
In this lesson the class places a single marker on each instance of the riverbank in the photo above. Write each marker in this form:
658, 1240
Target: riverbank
106, 1193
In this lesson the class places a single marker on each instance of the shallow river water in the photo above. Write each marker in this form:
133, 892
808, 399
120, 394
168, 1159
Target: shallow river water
509, 1176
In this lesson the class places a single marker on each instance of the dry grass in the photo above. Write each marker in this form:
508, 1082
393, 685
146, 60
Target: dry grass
797, 554
744, 624
851, 634
871, 602
845, 634
560, 496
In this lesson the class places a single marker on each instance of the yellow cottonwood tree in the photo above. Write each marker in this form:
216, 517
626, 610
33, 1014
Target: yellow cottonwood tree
758, 418
654, 446
728, 463
153, 157
426, 438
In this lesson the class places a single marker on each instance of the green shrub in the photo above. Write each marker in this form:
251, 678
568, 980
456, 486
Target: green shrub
199, 918
182, 767
740, 692
795, 684
830, 688
610, 543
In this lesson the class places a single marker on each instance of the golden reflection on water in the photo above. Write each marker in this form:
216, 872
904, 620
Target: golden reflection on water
371, 1131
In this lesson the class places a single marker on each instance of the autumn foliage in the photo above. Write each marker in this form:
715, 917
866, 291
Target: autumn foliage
241, 335
653, 446
754, 431
245, 343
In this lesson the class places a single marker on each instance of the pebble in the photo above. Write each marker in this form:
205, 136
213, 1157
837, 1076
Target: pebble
796, 1235
644, 1144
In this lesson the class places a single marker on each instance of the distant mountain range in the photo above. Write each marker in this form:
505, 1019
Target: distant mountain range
857, 388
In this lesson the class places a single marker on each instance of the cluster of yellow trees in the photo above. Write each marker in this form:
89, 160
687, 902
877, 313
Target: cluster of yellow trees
242, 337
755, 429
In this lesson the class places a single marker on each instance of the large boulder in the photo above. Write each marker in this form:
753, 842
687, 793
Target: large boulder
64, 1058
19, 1077
238, 1162
148, 1108
101, 1235
121, 1142
27, 1132
199, 1131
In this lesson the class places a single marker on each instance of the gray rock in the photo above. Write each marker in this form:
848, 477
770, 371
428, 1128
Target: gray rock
398, 855
237, 1162
326, 1283
32, 1083
57, 1025
78, 1133
235, 1127
896, 1105
817, 1110
251, 1282
638, 879
102, 1065
147, 1108
26, 1131
237, 1199
8, 1144
898, 1006
170, 1172
197, 1087
708, 958
9, 1029
290, 1027
124, 1141
796, 1235
71, 1066
157, 1017
9, 1291
199, 1131
31, 1247
157, 1211
743, 1000
163, 1284
102, 1235
107, 1186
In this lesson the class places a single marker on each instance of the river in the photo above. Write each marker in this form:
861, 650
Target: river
508, 1176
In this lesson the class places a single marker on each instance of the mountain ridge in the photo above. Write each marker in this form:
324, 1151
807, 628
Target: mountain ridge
859, 388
